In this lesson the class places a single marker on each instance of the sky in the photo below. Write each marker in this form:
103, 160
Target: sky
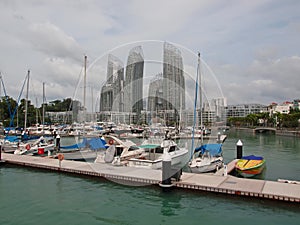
251, 47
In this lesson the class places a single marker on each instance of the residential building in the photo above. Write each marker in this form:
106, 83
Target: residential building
111, 98
133, 85
214, 111
242, 110
173, 79
155, 94
283, 108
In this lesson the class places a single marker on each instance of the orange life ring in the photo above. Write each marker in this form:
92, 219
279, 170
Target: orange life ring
60, 157
111, 142
27, 147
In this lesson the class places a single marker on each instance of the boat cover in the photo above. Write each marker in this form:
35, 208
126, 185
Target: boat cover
93, 143
253, 157
25, 137
12, 138
213, 149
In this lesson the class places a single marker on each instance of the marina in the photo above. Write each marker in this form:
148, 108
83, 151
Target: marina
219, 183
47, 190
149, 112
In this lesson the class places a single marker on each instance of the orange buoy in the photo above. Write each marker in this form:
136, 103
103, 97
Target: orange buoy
60, 157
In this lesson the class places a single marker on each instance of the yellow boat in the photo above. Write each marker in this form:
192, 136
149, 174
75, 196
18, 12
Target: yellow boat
249, 166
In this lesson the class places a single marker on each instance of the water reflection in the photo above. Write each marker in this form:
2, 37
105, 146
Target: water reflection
170, 202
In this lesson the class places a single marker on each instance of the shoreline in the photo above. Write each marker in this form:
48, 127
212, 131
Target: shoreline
278, 132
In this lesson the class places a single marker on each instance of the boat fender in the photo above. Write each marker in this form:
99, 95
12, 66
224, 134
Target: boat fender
111, 142
27, 147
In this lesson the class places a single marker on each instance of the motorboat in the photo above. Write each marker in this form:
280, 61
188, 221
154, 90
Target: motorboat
250, 166
119, 151
153, 154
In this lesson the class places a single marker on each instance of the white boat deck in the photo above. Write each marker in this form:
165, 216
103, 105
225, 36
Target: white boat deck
203, 182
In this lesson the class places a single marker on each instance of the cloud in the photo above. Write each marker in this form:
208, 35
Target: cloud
263, 81
252, 47
52, 41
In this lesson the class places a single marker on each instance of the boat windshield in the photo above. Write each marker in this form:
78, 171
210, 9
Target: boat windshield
132, 148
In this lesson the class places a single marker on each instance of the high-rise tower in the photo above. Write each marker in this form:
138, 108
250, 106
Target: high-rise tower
173, 79
111, 92
133, 88
155, 93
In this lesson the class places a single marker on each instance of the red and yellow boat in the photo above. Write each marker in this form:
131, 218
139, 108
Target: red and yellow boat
249, 166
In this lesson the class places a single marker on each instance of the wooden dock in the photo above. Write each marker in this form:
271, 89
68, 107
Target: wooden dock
282, 191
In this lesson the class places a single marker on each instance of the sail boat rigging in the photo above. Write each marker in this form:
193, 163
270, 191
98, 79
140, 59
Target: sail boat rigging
210, 155
26, 101
195, 105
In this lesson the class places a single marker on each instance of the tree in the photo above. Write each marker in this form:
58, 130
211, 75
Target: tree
60, 106
252, 119
31, 113
6, 112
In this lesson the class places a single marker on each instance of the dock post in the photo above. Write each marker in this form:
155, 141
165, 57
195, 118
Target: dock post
225, 170
58, 142
166, 171
239, 149
219, 138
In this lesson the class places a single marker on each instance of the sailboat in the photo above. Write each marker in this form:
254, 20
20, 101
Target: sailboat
206, 158
87, 150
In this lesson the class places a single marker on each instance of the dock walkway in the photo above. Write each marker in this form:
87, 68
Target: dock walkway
202, 182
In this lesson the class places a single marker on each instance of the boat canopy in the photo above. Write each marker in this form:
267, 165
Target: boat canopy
252, 157
213, 149
149, 146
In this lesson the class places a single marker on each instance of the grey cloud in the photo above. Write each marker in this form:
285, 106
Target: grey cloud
51, 40
252, 46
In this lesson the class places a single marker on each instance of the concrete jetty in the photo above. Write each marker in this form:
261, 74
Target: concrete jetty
282, 191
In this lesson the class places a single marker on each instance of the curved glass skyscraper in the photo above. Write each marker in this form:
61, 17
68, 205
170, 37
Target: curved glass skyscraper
111, 92
133, 86
173, 79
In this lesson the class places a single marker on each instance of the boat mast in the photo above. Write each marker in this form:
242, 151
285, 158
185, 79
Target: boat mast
43, 116
195, 105
84, 93
84, 82
200, 98
26, 100
36, 112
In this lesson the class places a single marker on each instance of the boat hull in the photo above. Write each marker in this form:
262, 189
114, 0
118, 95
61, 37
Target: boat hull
249, 168
177, 158
211, 167
207, 168
81, 155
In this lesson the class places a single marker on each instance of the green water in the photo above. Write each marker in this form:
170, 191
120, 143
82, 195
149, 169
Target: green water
282, 154
37, 197
30, 196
